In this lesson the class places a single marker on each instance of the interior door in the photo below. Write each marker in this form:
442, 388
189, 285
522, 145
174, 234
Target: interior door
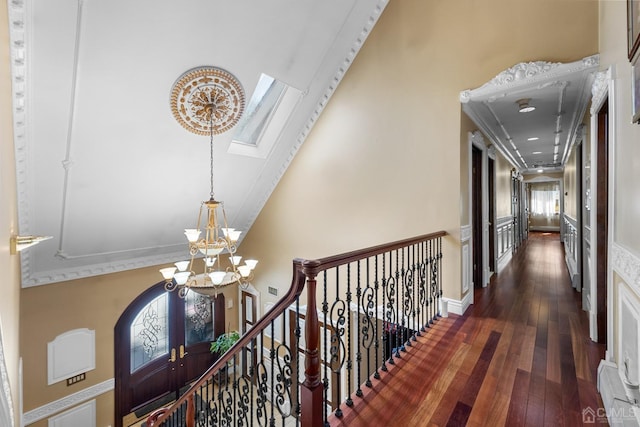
476, 213
161, 344
249, 314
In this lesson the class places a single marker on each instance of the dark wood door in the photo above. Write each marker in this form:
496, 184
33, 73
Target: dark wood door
249, 303
476, 213
602, 220
161, 344
492, 214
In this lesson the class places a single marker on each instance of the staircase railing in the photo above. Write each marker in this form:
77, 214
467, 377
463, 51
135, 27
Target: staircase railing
362, 309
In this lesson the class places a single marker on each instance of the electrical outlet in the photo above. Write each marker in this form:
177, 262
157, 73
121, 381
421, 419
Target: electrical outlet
273, 291
76, 379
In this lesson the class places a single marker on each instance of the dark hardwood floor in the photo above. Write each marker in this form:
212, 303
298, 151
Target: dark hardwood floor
520, 356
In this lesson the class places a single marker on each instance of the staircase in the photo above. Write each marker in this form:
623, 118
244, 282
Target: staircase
345, 320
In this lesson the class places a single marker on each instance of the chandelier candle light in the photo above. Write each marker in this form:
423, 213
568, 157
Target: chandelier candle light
208, 100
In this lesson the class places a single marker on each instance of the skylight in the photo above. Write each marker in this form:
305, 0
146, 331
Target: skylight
264, 102
265, 116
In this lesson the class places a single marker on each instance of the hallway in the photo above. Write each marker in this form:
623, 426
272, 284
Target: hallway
521, 355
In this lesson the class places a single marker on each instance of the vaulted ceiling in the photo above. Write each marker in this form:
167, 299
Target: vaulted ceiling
104, 167
102, 164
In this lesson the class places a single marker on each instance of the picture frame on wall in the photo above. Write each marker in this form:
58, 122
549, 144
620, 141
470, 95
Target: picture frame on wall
635, 90
633, 26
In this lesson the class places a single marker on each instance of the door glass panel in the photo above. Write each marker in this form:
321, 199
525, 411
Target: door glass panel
198, 319
150, 332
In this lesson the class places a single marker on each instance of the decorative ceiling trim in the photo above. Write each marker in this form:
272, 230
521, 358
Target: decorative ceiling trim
599, 89
528, 73
207, 97
523, 71
524, 77
30, 278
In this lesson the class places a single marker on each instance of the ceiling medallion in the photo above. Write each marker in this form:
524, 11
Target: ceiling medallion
207, 99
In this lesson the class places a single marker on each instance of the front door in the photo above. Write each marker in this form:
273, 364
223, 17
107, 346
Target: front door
161, 344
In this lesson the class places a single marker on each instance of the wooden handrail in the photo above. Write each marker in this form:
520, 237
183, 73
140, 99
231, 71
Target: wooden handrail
304, 272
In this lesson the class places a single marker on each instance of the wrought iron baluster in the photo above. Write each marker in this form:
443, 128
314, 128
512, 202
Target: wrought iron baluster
376, 332
297, 373
272, 356
338, 349
385, 327
261, 378
399, 321
414, 307
368, 328
348, 326
358, 331
325, 355
439, 276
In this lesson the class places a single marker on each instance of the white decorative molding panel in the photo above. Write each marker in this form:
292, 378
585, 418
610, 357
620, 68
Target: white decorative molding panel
627, 265
81, 416
70, 354
465, 233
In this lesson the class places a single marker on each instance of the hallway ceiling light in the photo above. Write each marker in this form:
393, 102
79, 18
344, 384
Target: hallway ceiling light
537, 152
523, 105
540, 170
533, 138
208, 101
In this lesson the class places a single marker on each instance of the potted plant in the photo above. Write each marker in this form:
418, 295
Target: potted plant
224, 342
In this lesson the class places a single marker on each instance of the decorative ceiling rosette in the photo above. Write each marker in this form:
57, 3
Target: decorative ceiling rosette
206, 93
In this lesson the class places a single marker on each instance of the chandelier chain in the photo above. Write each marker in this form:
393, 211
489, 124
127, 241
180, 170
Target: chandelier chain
211, 155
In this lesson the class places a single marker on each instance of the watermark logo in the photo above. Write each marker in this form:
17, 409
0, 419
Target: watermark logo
599, 415
588, 415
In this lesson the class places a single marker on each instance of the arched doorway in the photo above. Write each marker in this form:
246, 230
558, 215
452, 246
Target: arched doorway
161, 344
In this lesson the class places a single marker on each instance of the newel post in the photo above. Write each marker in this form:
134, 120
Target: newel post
191, 412
311, 391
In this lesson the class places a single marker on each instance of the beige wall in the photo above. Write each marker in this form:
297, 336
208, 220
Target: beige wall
10, 285
95, 303
383, 162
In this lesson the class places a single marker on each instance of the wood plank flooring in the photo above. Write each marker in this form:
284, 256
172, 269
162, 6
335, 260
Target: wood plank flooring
520, 356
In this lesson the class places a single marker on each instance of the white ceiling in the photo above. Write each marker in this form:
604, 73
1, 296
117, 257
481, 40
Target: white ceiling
560, 93
102, 165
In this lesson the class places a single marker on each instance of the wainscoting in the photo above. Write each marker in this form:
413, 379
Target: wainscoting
504, 241
571, 248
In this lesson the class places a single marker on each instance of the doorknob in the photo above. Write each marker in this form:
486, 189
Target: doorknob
182, 352
173, 355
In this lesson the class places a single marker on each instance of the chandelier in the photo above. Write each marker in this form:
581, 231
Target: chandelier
208, 101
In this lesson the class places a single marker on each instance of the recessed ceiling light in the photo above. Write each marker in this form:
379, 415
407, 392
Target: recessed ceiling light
523, 105
533, 138
537, 152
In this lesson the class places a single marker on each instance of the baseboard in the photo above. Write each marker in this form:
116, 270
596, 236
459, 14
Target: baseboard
456, 306
550, 228
67, 402
619, 411
504, 260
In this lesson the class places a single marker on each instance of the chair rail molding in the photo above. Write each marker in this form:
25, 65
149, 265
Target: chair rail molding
45, 411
